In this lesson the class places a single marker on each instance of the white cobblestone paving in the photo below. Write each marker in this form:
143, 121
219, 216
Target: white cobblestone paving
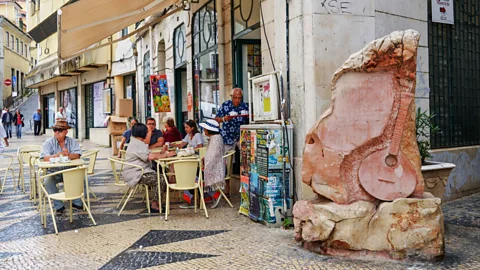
226, 240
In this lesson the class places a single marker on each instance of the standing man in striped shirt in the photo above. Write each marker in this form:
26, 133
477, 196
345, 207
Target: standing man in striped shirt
60, 145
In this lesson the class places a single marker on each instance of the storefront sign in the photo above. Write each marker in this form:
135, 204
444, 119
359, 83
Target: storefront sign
189, 101
442, 11
160, 93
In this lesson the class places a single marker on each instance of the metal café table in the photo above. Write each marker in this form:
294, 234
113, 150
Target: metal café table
42, 168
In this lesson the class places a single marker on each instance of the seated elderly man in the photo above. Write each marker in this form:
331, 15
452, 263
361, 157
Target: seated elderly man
138, 154
60, 145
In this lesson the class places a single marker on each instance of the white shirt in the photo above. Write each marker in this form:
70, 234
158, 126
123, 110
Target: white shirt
60, 115
3, 135
195, 141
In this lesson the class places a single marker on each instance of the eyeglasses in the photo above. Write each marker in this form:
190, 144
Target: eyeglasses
58, 130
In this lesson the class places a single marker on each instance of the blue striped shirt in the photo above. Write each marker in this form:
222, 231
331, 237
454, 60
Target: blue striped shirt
52, 147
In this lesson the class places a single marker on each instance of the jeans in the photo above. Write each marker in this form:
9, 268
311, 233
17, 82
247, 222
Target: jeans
51, 187
36, 127
19, 131
8, 129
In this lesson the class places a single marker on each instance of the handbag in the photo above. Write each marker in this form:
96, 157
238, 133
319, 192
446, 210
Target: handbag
23, 124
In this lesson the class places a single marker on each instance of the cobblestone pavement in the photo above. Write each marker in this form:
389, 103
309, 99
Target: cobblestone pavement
187, 240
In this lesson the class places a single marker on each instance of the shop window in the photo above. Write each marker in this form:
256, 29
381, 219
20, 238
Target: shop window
246, 15
206, 89
124, 31
180, 44
49, 110
94, 104
68, 100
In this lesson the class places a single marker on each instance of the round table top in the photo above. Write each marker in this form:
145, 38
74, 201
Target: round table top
46, 164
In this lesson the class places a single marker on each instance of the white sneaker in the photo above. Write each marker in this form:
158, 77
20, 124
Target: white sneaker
186, 206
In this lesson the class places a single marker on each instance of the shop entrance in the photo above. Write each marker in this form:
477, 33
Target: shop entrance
130, 91
181, 109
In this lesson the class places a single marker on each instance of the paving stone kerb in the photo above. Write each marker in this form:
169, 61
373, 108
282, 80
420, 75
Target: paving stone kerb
226, 240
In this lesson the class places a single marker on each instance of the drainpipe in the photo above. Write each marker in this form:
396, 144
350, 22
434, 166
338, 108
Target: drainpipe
287, 47
221, 51
110, 65
150, 47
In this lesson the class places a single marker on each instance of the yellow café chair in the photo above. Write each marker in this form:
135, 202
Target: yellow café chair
91, 156
9, 159
120, 183
185, 175
23, 155
229, 162
73, 188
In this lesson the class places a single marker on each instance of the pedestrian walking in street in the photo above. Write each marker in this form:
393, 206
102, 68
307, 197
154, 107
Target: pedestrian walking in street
4, 142
19, 123
37, 121
7, 120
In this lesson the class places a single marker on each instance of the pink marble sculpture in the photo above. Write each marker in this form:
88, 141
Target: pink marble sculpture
364, 146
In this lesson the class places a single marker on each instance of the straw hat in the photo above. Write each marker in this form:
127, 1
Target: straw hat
61, 124
211, 125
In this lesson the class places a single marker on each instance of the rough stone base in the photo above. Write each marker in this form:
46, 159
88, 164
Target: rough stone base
404, 228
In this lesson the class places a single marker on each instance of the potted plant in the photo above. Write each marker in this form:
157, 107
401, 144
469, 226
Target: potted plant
435, 174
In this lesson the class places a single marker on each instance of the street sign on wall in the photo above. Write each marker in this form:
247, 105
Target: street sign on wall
442, 11
7, 82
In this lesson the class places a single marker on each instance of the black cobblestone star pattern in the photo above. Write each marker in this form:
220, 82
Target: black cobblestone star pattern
134, 258
103, 211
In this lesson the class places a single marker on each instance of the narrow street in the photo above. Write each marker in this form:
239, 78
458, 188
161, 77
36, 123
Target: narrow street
227, 240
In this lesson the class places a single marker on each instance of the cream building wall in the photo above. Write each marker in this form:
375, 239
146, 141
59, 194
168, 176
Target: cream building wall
14, 55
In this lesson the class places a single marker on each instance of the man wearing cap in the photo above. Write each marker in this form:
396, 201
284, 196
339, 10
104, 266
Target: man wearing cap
231, 115
60, 145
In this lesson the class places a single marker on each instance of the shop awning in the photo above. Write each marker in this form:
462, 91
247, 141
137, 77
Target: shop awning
47, 27
87, 22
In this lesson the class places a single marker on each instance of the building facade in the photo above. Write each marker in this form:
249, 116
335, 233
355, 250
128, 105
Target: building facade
15, 52
211, 47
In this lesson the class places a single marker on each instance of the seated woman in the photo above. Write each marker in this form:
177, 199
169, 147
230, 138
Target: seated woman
171, 133
193, 138
139, 154
214, 166
126, 136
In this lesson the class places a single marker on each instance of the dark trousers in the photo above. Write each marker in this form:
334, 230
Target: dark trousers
36, 127
8, 129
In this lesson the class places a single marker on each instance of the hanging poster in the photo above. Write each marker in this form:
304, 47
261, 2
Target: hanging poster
69, 104
98, 116
189, 101
160, 93
442, 11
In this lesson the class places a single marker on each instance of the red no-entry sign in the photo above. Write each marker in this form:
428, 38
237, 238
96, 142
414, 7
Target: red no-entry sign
8, 82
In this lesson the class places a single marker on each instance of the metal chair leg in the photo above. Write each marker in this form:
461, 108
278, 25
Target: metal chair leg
124, 194
88, 211
148, 199
128, 198
53, 216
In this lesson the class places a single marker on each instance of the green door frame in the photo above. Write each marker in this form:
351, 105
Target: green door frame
178, 98
238, 60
